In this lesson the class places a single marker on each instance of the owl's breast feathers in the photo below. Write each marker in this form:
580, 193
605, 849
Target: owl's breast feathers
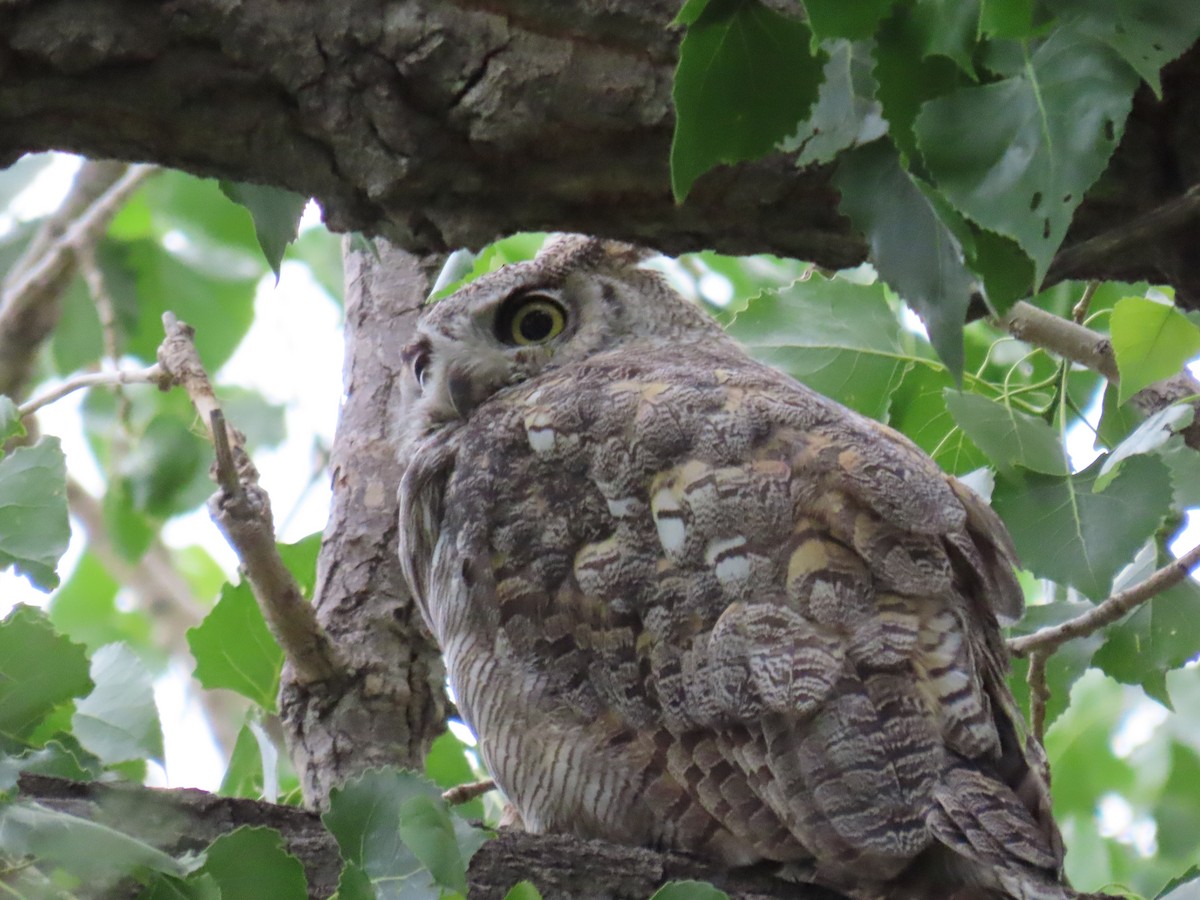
685, 601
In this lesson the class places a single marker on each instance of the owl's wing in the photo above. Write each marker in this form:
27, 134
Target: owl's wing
795, 601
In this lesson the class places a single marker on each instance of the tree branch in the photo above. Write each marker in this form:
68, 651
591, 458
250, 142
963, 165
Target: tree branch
1089, 348
460, 121
244, 517
562, 867
149, 375
1108, 611
28, 316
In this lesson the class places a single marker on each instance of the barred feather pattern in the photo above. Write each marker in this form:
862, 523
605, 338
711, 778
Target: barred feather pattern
687, 603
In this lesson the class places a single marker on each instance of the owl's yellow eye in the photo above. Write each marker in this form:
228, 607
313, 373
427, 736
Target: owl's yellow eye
532, 319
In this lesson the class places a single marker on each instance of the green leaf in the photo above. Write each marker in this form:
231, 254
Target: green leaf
118, 720
218, 302
1147, 33
846, 113
1006, 18
84, 609
839, 338
39, 669
688, 890
251, 863
1191, 875
10, 420
1148, 437
1008, 437
1067, 532
1152, 341
447, 766
195, 887
95, 853
523, 890
235, 649
746, 77
908, 77
1018, 155
34, 530
911, 247
919, 411
276, 213
300, 559
253, 765
838, 19
950, 28
395, 826
162, 465
1007, 272
427, 828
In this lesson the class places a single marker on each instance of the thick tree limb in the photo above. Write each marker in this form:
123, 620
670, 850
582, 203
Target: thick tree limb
444, 124
563, 868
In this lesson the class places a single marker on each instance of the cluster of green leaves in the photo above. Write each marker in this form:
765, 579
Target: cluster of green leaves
63, 715
965, 133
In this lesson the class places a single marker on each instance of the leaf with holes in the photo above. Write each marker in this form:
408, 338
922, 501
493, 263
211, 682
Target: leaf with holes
1017, 155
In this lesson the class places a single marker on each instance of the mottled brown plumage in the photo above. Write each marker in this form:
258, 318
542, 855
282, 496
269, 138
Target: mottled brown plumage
685, 602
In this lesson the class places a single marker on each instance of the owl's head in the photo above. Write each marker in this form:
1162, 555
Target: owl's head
578, 297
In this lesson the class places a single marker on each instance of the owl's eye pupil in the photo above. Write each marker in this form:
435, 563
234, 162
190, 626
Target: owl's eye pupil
537, 325
420, 364
530, 319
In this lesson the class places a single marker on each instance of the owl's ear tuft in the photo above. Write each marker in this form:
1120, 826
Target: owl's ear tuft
572, 252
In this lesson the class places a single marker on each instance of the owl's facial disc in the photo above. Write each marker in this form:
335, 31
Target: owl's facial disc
455, 365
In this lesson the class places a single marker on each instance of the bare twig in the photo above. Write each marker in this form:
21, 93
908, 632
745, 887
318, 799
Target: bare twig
1039, 693
150, 375
1047, 639
464, 793
242, 510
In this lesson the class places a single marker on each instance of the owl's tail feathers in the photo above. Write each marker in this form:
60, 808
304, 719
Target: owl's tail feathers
995, 836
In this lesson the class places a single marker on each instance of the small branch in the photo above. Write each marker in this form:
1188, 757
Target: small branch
32, 280
1026, 322
464, 793
1088, 348
1090, 255
1080, 310
1109, 611
242, 510
151, 375
1039, 693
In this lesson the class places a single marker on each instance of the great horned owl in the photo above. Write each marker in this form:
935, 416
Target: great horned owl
687, 603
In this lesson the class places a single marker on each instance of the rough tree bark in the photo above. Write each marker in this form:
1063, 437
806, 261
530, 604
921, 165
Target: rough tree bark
443, 124
389, 704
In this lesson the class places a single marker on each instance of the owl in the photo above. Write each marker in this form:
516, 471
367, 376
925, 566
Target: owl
687, 603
